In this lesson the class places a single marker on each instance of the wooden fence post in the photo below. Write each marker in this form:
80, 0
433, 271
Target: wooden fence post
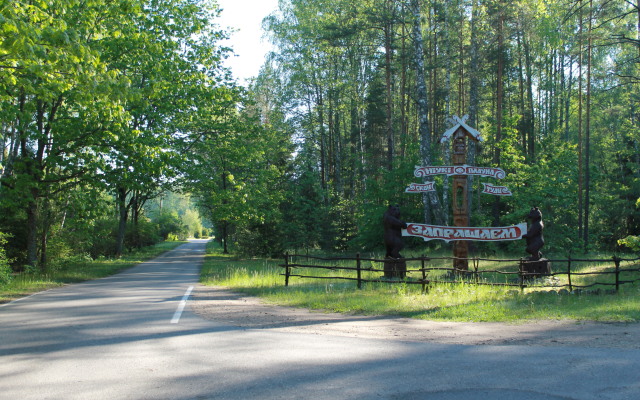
424, 275
569, 273
521, 274
616, 260
359, 271
286, 269
475, 269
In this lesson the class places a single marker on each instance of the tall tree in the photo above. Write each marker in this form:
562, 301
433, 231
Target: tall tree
587, 145
59, 98
430, 200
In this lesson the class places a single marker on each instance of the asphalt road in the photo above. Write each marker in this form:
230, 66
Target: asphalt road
124, 337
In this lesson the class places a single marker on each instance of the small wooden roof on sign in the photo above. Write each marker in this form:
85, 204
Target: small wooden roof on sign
460, 123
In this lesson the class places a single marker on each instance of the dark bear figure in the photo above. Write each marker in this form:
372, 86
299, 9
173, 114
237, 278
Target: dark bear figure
393, 231
534, 237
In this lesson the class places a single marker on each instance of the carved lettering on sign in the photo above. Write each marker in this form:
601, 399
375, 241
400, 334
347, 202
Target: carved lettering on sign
448, 233
420, 187
421, 172
496, 190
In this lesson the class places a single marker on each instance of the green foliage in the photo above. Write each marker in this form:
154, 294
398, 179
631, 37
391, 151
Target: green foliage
238, 182
193, 223
103, 237
6, 273
632, 242
105, 107
355, 115
344, 217
13, 224
60, 99
260, 240
144, 233
97, 99
170, 223
304, 213
380, 194
68, 262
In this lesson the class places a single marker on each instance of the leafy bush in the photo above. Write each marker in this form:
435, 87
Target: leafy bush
104, 238
142, 234
169, 223
77, 260
5, 269
633, 242
193, 223
263, 240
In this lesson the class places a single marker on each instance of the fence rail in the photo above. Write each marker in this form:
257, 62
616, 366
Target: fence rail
426, 271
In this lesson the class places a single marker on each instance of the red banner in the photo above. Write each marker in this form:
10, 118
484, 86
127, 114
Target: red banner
496, 190
420, 187
421, 172
448, 233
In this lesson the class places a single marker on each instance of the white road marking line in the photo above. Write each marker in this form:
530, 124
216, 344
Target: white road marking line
181, 305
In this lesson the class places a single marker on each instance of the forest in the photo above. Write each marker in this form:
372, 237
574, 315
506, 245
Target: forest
107, 108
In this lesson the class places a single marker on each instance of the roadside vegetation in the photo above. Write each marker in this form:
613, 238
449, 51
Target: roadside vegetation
76, 269
121, 127
444, 302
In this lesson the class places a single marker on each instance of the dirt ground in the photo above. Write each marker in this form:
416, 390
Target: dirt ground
227, 307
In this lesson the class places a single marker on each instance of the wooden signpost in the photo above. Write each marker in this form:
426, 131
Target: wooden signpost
460, 194
420, 188
459, 135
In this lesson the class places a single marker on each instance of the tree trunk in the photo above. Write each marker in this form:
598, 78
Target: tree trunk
474, 97
529, 124
323, 145
430, 200
134, 219
331, 145
587, 132
567, 100
580, 167
403, 96
353, 149
389, 107
44, 232
337, 153
521, 86
225, 248
43, 248
499, 104
32, 229
121, 198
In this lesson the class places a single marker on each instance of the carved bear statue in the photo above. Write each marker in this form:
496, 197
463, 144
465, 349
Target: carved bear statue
534, 237
393, 231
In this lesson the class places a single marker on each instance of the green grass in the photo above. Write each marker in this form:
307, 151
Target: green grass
78, 270
443, 302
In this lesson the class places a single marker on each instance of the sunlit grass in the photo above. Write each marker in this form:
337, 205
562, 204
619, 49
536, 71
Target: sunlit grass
448, 302
78, 270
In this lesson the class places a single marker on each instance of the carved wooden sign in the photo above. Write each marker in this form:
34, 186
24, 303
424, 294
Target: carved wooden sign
420, 187
448, 233
461, 123
488, 188
421, 172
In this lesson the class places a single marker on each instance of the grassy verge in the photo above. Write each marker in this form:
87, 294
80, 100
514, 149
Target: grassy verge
444, 302
78, 270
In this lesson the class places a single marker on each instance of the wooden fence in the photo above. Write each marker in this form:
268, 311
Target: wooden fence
425, 271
